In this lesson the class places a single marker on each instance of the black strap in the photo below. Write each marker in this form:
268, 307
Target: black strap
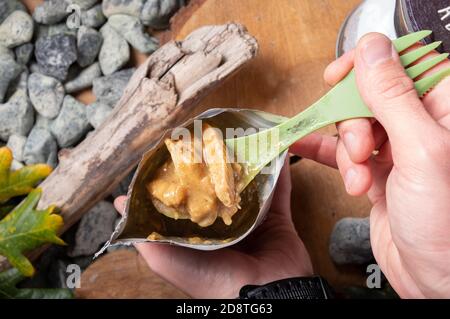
291, 288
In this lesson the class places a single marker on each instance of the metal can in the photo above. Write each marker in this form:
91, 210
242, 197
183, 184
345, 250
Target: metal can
395, 18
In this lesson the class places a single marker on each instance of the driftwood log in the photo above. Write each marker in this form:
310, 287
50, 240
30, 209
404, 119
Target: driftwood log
161, 94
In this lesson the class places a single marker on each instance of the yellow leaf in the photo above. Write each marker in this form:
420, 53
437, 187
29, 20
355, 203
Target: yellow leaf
26, 228
19, 182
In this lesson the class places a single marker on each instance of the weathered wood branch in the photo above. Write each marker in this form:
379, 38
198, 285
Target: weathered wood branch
162, 93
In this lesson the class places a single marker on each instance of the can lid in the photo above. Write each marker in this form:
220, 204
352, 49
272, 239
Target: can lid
427, 15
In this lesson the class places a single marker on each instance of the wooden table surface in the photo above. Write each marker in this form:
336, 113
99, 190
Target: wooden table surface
297, 40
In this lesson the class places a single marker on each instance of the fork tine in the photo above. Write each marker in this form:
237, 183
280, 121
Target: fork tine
429, 82
405, 42
420, 68
415, 55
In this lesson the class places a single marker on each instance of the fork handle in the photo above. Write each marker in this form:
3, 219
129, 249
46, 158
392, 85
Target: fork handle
340, 104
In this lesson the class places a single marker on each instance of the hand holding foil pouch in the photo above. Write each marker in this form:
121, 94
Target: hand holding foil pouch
185, 193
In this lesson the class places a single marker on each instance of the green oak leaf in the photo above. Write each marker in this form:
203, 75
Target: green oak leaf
26, 228
20, 182
8, 290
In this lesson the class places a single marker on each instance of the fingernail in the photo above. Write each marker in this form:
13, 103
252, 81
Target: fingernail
350, 177
349, 140
377, 50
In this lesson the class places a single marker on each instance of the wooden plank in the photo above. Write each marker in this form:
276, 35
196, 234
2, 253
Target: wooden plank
124, 274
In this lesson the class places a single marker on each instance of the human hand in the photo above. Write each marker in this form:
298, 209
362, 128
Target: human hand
272, 252
408, 181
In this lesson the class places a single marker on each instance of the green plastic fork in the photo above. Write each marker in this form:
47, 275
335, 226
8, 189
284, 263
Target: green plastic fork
341, 103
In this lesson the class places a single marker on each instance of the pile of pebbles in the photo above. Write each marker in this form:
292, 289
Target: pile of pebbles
46, 59
64, 47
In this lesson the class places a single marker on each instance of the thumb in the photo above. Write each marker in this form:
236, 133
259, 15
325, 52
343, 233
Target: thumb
390, 93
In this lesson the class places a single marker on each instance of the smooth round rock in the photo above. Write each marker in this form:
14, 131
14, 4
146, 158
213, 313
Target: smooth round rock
8, 7
71, 124
109, 89
350, 241
9, 71
97, 113
40, 148
115, 52
157, 13
24, 53
51, 11
89, 42
17, 29
46, 94
55, 54
94, 17
17, 115
16, 144
132, 30
95, 228
85, 79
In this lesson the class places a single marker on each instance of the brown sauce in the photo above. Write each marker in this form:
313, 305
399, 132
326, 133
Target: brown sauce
200, 188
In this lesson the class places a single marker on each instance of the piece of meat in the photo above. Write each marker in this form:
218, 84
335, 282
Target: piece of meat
166, 186
201, 202
219, 167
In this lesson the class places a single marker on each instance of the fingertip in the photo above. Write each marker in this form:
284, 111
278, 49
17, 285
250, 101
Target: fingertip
339, 68
119, 204
358, 139
357, 176
358, 179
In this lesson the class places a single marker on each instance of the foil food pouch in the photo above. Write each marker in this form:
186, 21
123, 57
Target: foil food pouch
141, 222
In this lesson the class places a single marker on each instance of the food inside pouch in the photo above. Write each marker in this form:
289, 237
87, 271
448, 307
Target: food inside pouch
198, 182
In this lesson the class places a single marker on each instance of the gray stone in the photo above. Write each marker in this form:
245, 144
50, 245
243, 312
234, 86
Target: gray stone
84, 261
74, 71
109, 89
19, 83
350, 242
84, 79
34, 67
57, 273
16, 144
132, 30
8, 7
89, 42
17, 29
94, 17
130, 7
71, 124
9, 71
6, 53
43, 122
55, 54
49, 30
157, 13
84, 4
97, 113
51, 11
46, 94
115, 52
40, 148
94, 229
16, 115
24, 53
